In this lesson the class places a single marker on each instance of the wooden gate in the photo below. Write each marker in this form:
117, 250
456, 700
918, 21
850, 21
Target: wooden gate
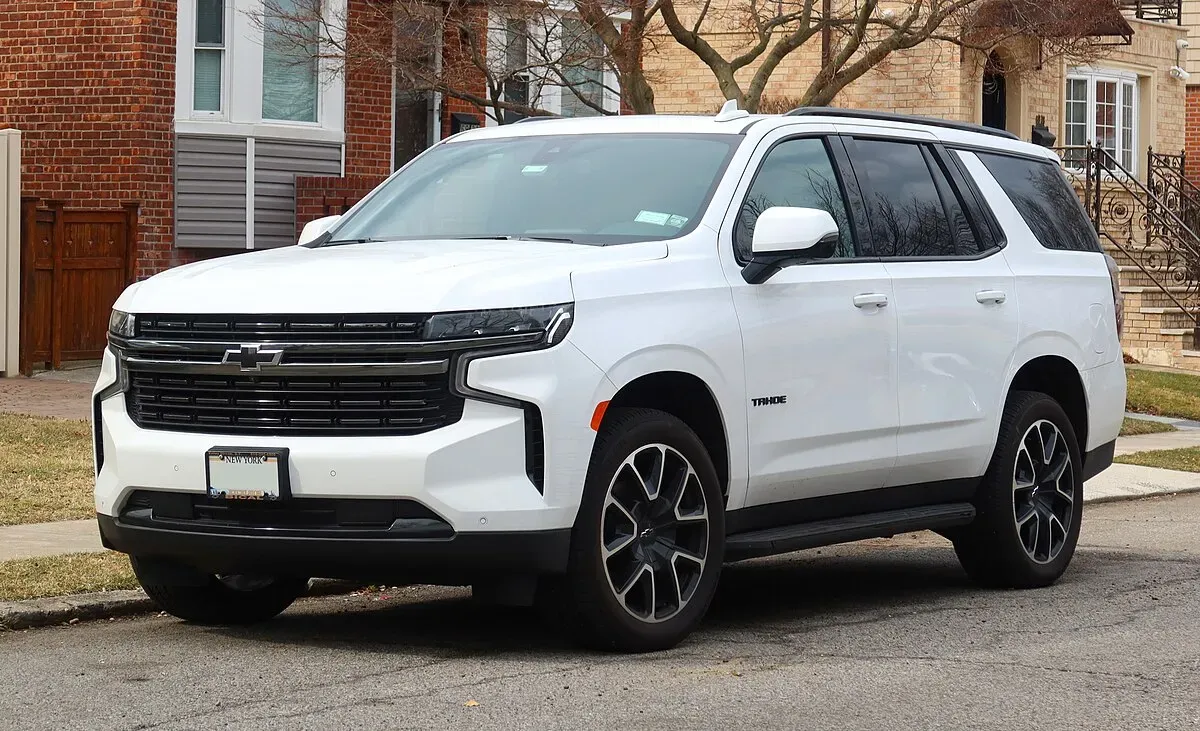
74, 265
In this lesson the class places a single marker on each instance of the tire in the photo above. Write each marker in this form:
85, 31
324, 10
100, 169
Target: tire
644, 535
217, 603
1027, 521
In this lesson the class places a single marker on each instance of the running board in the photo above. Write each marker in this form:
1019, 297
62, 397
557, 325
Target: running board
771, 541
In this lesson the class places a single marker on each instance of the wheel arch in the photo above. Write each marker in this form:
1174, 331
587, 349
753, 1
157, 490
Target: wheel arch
1060, 379
689, 398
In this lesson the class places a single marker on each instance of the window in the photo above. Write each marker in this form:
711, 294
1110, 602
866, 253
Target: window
914, 210
584, 75
796, 173
1041, 194
1101, 107
584, 189
209, 56
290, 54
516, 64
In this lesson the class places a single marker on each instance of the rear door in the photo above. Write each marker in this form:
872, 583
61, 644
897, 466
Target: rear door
955, 302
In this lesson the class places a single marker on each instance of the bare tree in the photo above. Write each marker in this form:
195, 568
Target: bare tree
507, 57
856, 36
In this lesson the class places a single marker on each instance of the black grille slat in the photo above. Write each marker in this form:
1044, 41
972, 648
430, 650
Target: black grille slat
282, 328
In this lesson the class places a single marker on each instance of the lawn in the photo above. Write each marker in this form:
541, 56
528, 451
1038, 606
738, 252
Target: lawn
45, 469
1137, 427
29, 578
1163, 394
1185, 460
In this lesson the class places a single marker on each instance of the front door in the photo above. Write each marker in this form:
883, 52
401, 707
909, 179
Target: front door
819, 338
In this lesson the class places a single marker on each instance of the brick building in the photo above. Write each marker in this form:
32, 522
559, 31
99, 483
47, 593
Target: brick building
180, 106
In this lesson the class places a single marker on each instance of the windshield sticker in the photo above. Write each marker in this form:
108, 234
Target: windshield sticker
534, 169
660, 219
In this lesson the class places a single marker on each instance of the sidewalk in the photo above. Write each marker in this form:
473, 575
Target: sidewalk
47, 396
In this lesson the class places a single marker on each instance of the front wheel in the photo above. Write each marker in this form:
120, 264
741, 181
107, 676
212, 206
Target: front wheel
224, 600
1030, 502
649, 540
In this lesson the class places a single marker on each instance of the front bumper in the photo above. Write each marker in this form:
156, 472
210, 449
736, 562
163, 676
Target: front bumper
464, 557
472, 476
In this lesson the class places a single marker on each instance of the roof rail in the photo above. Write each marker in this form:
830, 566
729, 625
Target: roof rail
536, 117
893, 117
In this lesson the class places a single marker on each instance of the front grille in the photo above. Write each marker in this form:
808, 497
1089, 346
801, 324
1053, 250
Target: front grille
282, 328
292, 405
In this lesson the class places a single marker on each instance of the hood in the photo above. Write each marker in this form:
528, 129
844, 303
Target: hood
402, 276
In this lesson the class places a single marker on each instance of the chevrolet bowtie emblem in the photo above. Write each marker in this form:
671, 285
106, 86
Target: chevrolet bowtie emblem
251, 358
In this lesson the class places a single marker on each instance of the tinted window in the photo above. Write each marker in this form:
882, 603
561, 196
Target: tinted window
796, 173
908, 215
1046, 201
585, 188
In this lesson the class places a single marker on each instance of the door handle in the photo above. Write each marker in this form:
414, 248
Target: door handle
870, 300
990, 297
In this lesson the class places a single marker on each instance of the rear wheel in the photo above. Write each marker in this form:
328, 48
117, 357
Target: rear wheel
224, 600
1030, 503
648, 544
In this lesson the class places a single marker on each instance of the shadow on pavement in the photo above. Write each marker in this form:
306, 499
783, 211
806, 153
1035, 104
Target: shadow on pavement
783, 591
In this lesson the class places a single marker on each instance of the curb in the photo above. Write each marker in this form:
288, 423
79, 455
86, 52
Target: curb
31, 613
1124, 497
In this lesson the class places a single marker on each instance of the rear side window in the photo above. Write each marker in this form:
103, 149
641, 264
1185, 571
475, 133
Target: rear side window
914, 211
1046, 201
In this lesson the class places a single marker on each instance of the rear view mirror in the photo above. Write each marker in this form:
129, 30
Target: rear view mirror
313, 229
783, 235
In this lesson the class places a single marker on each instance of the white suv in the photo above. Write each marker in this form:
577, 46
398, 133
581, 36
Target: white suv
590, 361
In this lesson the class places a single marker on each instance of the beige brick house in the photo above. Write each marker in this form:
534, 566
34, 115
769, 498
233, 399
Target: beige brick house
1125, 95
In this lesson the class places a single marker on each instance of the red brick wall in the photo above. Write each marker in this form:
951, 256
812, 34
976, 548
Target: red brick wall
1192, 134
322, 195
91, 86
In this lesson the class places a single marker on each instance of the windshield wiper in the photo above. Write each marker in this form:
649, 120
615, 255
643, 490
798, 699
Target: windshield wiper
505, 237
343, 242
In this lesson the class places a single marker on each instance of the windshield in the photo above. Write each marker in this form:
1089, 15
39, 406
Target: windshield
590, 189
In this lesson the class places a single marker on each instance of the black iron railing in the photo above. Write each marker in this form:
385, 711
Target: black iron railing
1163, 11
1153, 223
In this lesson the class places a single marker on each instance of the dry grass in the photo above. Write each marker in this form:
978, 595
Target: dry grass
1184, 460
1137, 427
30, 578
1164, 394
45, 469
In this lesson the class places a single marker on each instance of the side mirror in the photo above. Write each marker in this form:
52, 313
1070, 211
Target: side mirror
785, 235
314, 229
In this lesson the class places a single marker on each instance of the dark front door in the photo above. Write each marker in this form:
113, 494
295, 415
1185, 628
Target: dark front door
413, 113
995, 95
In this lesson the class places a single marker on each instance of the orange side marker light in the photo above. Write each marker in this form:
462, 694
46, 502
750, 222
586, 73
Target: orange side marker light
598, 415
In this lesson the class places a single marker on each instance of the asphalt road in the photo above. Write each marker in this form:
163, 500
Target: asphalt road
857, 637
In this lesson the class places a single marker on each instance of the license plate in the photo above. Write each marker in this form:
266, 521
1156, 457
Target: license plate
247, 474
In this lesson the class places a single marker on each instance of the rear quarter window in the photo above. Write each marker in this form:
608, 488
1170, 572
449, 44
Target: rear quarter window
1041, 194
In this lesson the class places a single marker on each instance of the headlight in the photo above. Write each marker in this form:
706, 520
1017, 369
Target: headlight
552, 320
122, 324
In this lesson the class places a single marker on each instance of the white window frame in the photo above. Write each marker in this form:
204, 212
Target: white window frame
241, 114
1126, 84
194, 45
